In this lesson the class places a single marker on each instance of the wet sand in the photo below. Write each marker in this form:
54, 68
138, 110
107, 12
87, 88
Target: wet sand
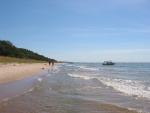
15, 71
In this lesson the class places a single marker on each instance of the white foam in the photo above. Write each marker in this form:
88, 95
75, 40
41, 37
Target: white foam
87, 68
31, 89
79, 76
49, 75
129, 87
56, 71
148, 88
40, 79
69, 65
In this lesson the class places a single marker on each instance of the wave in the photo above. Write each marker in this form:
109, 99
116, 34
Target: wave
87, 68
69, 65
6, 101
127, 87
54, 70
80, 76
40, 79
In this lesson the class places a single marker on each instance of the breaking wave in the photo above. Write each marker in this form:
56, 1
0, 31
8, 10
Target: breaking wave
128, 87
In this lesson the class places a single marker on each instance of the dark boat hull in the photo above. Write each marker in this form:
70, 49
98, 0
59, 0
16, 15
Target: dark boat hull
109, 64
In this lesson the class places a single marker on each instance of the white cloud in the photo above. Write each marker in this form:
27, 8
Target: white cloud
128, 51
104, 32
111, 52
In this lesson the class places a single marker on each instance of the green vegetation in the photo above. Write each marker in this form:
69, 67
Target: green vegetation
8, 50
18, 60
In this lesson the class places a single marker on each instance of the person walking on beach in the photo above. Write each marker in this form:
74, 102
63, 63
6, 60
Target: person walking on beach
49, 62
52, 63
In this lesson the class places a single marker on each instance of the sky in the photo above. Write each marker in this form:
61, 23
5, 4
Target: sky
79, 30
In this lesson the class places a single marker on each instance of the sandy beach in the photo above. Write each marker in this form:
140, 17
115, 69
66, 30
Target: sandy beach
15, 71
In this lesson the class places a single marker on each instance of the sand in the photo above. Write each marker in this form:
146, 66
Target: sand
15, 71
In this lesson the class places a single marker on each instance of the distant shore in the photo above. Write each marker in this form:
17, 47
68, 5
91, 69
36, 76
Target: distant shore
16, 71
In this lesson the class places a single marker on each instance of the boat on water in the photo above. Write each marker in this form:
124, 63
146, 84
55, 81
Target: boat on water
108, 63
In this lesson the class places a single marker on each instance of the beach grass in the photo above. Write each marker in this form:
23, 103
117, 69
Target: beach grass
6, 60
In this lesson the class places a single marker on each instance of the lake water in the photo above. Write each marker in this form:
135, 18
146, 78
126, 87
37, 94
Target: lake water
81, 88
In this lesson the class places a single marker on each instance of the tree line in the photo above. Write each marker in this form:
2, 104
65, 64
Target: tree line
9, 50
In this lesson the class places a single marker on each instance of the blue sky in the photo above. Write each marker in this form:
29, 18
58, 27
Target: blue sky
79, 30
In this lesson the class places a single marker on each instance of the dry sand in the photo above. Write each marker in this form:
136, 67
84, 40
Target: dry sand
15, 71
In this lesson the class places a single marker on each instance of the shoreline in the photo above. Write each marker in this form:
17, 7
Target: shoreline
17, 71
27, 84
